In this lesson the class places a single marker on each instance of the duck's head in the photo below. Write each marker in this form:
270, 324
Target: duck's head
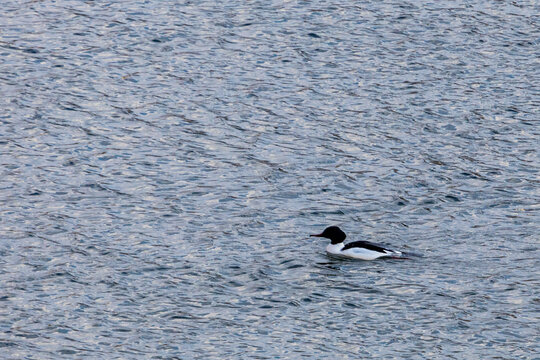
333, 233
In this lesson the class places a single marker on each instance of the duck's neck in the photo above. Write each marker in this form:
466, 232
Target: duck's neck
334, 248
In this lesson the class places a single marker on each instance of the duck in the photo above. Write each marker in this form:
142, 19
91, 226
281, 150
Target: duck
362, 250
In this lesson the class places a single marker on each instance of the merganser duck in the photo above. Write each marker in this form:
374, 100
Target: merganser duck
363, 250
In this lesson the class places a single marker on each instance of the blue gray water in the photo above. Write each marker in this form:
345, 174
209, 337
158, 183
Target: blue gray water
163, 163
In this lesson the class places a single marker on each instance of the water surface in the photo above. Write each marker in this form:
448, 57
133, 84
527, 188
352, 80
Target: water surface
162, 163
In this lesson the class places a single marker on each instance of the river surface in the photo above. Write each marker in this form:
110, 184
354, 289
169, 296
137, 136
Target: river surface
162, 164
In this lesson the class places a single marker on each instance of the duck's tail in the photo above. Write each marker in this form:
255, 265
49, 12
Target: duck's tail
401, 255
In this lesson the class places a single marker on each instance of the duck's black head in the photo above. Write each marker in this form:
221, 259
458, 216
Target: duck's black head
333, 233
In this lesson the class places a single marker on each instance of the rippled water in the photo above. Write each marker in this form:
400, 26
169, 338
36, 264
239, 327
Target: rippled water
162, 163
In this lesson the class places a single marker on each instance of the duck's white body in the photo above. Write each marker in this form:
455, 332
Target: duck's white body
359, 252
